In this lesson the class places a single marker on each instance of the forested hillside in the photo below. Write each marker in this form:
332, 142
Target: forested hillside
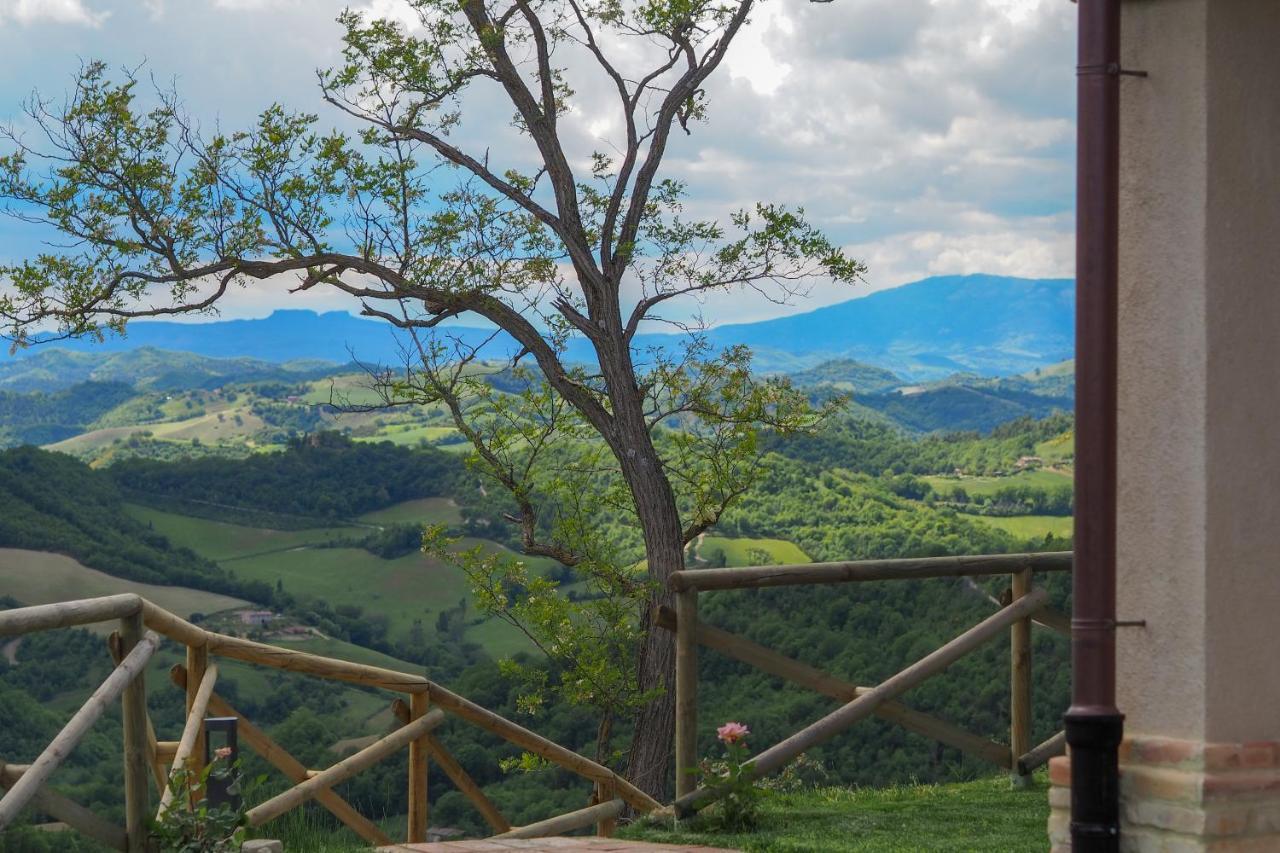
324, 532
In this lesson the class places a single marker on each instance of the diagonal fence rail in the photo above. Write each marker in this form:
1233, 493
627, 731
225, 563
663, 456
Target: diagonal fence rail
422, 705
1022, 605
428, 705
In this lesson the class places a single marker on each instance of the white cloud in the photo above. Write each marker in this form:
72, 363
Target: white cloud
928, 136
53, 11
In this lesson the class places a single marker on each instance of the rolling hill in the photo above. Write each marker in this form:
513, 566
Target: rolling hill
989, 325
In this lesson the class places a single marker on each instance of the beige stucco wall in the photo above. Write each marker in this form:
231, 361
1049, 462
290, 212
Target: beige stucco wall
1199, 522
1243, 450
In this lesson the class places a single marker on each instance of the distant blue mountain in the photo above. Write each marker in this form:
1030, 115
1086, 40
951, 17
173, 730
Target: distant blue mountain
989, 325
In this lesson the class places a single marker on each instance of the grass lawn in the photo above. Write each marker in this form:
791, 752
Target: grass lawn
956, 818
737, 552
423, 511
1028, 526
983, 815
990, 485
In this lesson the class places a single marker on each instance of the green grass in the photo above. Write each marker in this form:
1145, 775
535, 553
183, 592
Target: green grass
409, 435
1059, 449
219, 540
38, 577
1029, 526
423, 511
738, 552
990, 485
983, 815
956, 818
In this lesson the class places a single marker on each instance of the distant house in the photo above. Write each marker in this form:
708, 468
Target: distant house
256, 618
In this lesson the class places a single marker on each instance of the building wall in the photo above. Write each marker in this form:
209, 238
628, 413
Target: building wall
1161, 535
1243, 391
1199, 430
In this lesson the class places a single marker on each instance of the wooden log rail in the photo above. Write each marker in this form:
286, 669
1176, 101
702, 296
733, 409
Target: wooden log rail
1022, 604
779, 755
758, 577
427, 707
429, 703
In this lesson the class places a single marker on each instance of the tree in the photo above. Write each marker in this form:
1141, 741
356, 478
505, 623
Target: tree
421, 227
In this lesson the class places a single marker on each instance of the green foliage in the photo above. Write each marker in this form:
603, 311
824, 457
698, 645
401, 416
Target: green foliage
45, 418
54, 503
320, 477
202, 828
737, 804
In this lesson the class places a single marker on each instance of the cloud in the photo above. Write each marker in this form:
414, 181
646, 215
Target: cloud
53, 11
926, 136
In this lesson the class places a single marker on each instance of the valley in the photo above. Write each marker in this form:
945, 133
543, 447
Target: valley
270, 500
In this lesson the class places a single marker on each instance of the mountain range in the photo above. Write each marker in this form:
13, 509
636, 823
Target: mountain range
977, 324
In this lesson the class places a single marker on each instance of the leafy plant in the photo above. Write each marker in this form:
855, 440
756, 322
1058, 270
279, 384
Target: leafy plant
738, 796
190, 824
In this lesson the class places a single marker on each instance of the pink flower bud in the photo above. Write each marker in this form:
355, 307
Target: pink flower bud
732, 732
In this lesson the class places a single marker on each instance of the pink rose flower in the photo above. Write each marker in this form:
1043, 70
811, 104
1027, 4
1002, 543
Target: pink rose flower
732, 732
222, 752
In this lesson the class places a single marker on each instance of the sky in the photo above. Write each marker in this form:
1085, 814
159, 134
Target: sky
927, 137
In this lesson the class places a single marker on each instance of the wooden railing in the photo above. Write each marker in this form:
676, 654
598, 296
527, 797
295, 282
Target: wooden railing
1022, 604
427, 707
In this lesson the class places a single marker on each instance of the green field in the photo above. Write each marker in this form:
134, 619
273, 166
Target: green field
1029, 526
404, 589
220, 541
410, 434
411, 587
1042, 479
423, 511
738, 552
38, 577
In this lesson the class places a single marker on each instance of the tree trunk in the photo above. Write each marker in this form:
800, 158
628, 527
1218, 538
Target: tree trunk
650, 761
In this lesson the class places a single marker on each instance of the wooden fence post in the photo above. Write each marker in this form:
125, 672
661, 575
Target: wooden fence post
419, 808
197, 663
1020, 681
607, 825
686, 689
134, 706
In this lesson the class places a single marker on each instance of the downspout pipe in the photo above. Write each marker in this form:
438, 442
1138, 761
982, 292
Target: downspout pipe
1094, 726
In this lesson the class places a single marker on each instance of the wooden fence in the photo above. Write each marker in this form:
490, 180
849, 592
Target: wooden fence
142, 627
1021, 605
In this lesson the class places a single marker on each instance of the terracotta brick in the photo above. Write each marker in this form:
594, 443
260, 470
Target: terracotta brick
1258, 755
1250, 783
1060, 771
1222, 756
1164, 751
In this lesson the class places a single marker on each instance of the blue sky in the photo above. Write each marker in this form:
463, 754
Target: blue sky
926, 136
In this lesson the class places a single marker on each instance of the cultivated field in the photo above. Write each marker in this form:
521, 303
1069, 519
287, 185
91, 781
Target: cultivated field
38, 577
